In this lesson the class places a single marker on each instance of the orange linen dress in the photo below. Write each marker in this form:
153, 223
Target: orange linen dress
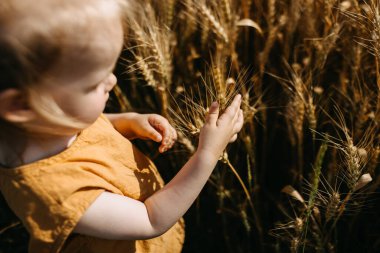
51, 195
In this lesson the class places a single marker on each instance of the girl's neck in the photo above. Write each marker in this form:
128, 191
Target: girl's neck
38, 148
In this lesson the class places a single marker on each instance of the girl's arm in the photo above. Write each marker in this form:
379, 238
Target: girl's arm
117, 217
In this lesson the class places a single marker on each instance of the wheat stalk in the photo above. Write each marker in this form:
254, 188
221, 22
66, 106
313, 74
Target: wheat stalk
152, 52
214, 22
226, 10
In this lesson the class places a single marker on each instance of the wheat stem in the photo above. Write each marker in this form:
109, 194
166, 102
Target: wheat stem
242, 184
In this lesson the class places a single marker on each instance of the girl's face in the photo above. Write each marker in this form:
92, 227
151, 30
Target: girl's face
80, 82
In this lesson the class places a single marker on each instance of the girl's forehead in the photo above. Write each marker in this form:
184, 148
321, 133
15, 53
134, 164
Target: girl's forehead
100, 50
52, 35
26, 19
87, 38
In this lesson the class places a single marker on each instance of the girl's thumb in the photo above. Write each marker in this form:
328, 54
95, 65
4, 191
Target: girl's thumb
154, 135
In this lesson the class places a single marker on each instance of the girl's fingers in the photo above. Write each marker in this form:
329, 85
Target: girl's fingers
167, 134
169, 137
155, 136
232, 110
174, 134
213, 114
165, 147
162, 126
239, 121
238, 111
172, 140
174, 137
152, 133
234, 138
235, 105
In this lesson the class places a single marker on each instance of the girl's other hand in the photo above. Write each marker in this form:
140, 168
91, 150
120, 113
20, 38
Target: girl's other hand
217, 131
145, 126
160, 130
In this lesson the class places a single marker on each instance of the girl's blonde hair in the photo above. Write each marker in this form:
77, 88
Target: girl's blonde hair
33, 37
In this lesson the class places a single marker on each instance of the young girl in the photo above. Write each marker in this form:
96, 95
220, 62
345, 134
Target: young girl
68, 171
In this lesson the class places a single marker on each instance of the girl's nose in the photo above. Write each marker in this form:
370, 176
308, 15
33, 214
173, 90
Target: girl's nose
111, 82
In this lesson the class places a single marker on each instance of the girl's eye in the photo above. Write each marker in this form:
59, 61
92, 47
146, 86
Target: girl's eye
92, 88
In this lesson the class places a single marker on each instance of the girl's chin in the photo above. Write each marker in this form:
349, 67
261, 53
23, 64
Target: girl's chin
45, 132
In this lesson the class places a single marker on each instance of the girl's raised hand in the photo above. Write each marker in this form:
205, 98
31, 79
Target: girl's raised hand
217, 131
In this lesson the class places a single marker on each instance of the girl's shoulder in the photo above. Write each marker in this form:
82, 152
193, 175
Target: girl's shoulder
14, 158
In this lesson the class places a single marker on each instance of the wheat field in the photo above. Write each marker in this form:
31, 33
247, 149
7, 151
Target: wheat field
304, 174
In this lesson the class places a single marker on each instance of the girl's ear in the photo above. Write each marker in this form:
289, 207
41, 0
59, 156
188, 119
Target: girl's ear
14, 106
